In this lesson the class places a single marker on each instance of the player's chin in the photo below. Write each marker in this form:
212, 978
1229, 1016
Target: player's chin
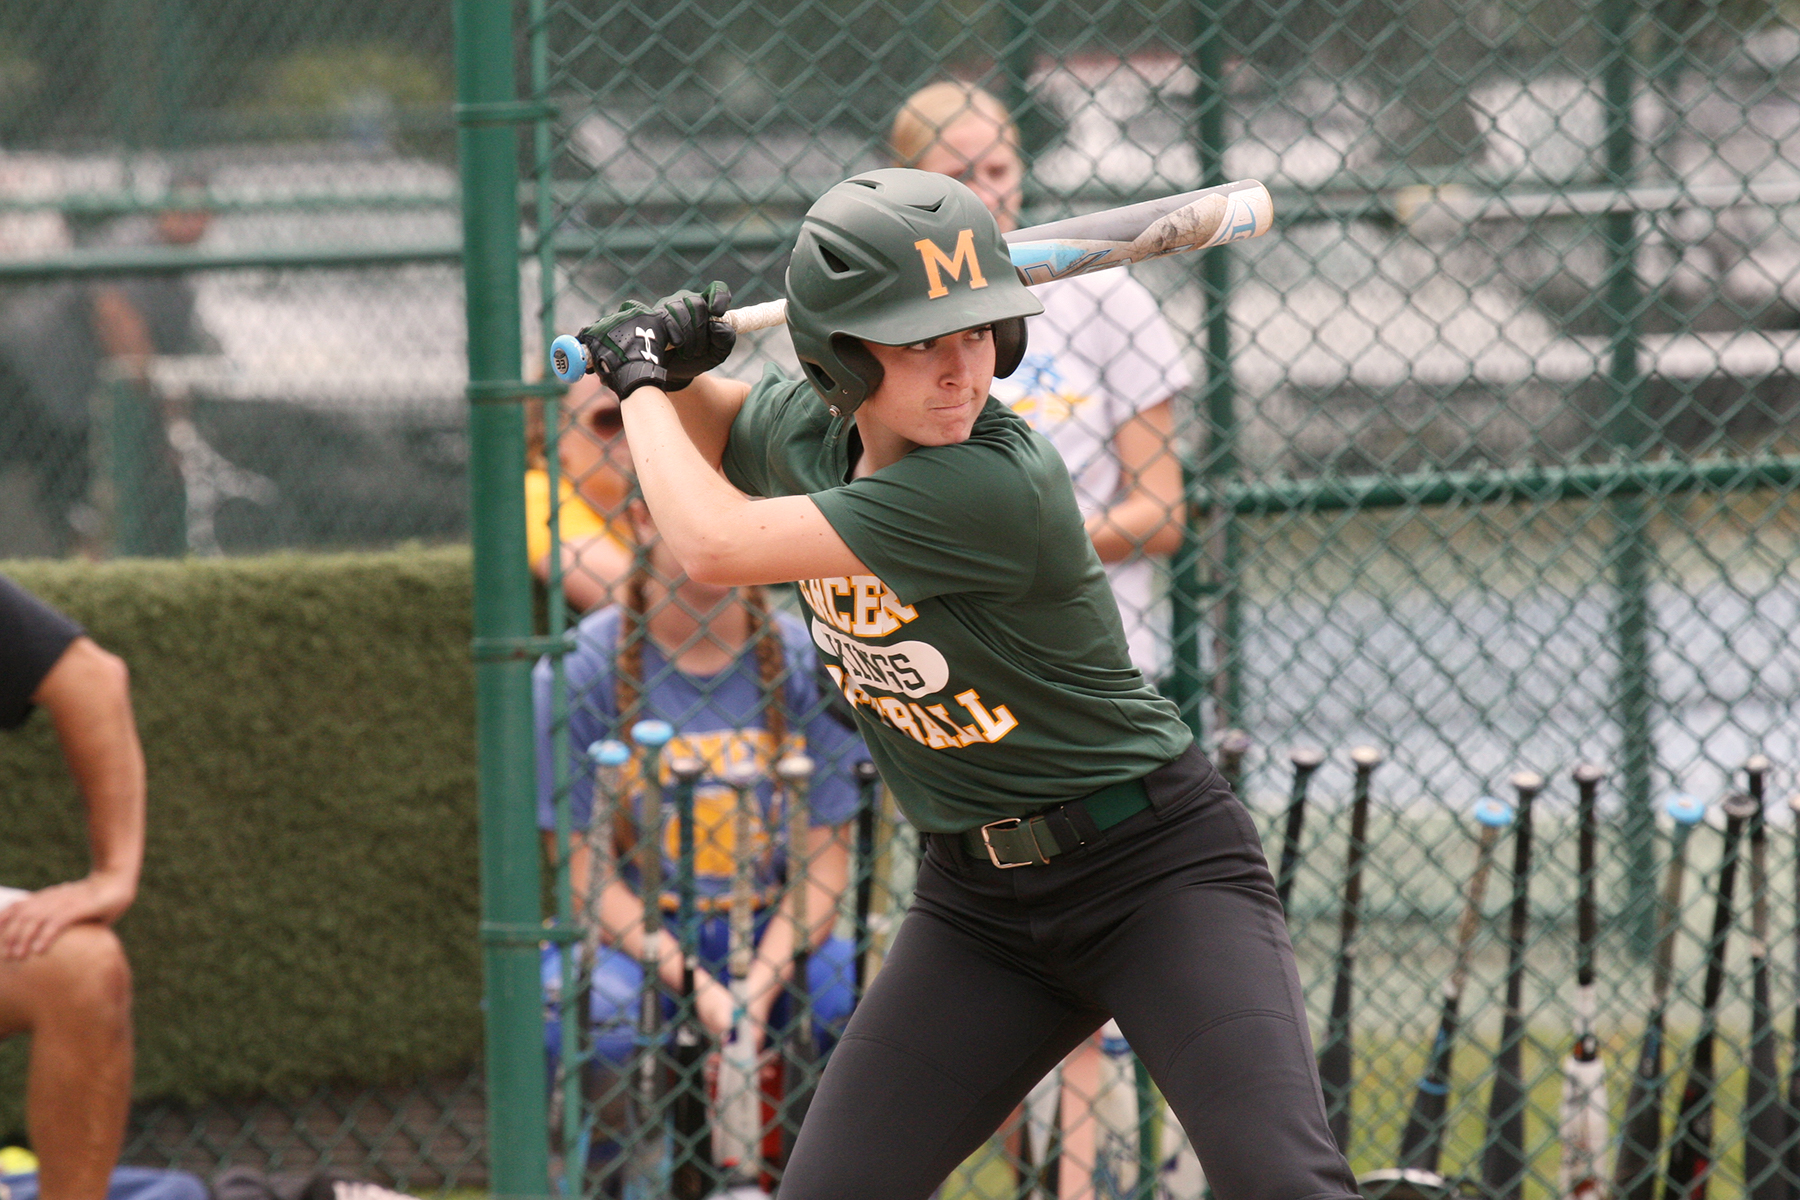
950, 425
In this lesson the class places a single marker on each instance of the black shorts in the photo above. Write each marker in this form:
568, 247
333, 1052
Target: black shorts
1169, 923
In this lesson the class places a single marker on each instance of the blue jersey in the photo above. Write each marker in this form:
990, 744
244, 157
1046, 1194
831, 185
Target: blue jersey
719, 720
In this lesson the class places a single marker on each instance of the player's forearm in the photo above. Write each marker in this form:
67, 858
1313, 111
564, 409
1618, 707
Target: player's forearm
622, 927
1138, 525
708, 407
88, 696
696, 508
827, 875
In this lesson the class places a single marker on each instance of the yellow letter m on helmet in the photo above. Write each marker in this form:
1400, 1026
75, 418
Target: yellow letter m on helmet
953, 263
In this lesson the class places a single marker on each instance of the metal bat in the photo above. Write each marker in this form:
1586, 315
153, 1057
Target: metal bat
1423, 1138
1792, 1094
800, 1049
1763, 1120
1233, 745
1306, 760
647, 1175
1336, 1055
1583, 1121
608, 759
737, 1134
1503, 1155
868, 784
1114, 1111
1230, 212
1690, 1154
690, 1176
1634, 1171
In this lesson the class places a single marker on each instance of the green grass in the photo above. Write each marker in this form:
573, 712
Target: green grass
1387, 1069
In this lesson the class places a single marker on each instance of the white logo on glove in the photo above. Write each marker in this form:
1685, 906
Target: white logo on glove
649, 336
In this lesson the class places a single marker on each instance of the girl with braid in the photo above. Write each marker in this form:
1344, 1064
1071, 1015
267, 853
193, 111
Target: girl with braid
738, 682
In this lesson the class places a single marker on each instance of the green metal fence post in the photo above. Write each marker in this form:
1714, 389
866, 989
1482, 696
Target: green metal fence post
1626, 431
1215, 459
510, 879
128, 435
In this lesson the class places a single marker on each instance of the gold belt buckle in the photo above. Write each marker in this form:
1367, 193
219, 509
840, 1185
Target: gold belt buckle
994, 855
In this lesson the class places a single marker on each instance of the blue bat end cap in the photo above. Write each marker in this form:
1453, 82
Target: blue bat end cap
609, 753
1685, 808
1492, 811
652, 734
568, 359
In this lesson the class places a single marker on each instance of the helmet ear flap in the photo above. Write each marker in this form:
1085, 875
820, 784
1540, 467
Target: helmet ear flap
864, 370
1009, 346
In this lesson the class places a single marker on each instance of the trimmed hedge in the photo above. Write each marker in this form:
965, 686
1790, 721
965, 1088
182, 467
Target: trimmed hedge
309, 901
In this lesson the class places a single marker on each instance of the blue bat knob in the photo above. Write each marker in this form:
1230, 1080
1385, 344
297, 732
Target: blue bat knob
609, 753
653, 734
1490, 810
568, 358
1684, 808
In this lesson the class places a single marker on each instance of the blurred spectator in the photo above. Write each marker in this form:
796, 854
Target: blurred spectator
739, 683
593, 486
1100, 371
1101, 368
63, 975
54, 342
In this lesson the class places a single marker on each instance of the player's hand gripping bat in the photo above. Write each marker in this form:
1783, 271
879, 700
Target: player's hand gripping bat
1062, 249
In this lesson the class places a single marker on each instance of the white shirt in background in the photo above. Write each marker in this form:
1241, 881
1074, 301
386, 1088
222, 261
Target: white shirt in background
1100, 354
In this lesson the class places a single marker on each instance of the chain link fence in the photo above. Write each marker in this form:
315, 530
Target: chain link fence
1485, 454
230, 322
217, 223
1484, 458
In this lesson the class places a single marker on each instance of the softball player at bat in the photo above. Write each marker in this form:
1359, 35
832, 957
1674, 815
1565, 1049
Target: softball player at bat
1083, 859
1098, 380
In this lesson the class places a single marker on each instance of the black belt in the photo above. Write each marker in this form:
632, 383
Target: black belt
1023, 841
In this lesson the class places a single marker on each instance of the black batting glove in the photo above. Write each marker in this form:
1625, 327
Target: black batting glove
627, 348
698, 339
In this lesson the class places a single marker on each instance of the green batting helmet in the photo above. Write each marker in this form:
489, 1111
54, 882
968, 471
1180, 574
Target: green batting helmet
898, 256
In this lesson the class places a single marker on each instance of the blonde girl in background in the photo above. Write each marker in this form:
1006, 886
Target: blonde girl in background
1098, 380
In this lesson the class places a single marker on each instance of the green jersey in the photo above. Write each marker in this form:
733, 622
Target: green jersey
984, 658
